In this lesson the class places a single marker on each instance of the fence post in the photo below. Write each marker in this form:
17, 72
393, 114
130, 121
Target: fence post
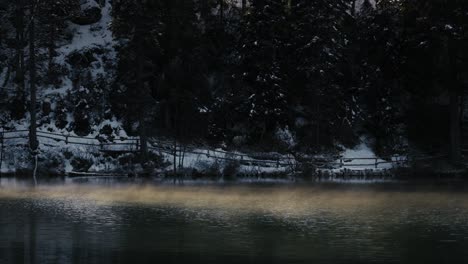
277, 162
1, 152
376, 162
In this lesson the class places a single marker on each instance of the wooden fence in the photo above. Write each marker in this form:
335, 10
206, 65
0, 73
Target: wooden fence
132, 144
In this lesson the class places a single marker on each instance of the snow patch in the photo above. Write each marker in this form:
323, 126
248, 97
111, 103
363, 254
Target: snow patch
88, 36
361, 158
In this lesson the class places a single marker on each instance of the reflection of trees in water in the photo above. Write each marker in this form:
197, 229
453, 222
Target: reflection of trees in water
32, 238
369, 228
12, 245
35, 233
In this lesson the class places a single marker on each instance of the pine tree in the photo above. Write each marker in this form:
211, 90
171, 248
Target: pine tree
435, 58
260, 100
139, 24
320, 69
378, 58
52, 16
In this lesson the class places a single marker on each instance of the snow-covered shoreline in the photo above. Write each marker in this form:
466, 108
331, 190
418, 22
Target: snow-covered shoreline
68, 154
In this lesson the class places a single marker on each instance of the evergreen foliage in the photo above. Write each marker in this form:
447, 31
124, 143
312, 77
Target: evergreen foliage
326, 71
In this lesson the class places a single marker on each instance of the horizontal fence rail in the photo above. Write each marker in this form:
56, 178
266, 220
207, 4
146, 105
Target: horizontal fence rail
132, 144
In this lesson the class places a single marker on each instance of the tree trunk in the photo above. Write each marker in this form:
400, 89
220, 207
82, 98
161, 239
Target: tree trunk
51, 51
317, 127
1, 152
183, 156
32, 82
19, 48
175, 156
7, 77
205, 10
244, 6
143, 142
455, 127
141, 94
142, 117
221, 11
176, 135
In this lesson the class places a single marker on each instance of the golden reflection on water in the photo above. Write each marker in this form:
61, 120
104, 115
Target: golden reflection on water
288, 200
367, 224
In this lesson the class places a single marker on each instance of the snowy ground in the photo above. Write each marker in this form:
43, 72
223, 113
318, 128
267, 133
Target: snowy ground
363, 158
53, 149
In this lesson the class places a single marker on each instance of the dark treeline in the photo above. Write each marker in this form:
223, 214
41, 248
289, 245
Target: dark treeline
259, 73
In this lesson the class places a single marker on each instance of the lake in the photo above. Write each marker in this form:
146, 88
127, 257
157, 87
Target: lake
109, 221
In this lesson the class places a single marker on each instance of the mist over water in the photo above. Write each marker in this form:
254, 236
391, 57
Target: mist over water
115, 222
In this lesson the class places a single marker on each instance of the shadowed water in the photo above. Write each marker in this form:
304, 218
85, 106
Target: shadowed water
112, 222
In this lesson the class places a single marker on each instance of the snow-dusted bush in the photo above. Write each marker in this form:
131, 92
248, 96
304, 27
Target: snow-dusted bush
50, 163
81, 163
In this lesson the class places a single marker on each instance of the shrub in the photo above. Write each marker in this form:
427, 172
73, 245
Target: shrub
81, 164
231, 169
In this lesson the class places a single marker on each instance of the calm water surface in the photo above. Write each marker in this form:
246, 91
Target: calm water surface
111, 222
